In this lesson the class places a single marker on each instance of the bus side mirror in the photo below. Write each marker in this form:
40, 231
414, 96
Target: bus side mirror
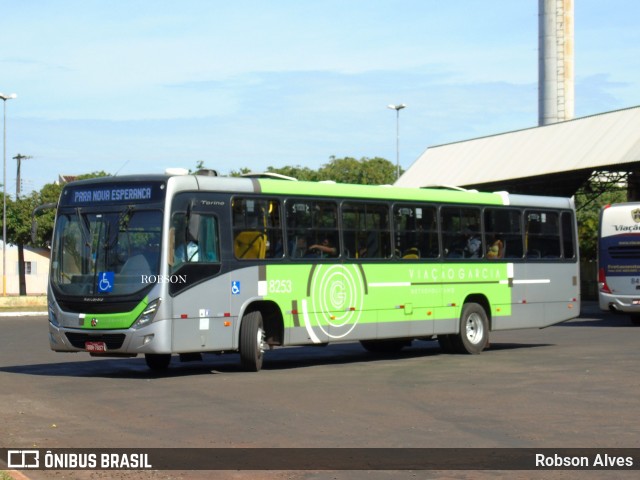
34, 223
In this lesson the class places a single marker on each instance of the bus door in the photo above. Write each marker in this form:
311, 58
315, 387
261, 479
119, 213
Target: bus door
418, 269
200, 304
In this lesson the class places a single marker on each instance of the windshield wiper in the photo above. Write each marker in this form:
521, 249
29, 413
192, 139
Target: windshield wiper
84, 227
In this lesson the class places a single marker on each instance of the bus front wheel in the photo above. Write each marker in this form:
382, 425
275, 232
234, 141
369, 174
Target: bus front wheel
252, 337
474, 329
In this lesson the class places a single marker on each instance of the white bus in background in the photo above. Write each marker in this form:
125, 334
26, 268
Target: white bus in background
619, 259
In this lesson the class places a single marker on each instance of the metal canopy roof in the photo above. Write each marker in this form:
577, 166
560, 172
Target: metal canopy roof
553, 159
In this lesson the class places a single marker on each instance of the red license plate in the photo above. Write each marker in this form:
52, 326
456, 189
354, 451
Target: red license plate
97, 347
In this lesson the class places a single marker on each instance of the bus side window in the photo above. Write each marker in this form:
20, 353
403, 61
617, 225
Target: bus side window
208, 239
543, 234
503, 230
416, 232
195, 240
257, 228
183, 249
461, 235
367, 230
312, 229
568, 236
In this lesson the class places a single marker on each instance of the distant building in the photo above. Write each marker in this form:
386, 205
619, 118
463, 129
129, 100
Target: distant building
62, 179
36, 267
556, 159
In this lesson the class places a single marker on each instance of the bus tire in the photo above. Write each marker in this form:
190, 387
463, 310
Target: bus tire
252, 337
474, 329
157, 361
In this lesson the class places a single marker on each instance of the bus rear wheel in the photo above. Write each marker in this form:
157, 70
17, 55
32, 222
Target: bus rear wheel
158, 361
252, 341
474, 329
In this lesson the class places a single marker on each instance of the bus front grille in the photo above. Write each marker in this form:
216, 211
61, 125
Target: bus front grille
113, 341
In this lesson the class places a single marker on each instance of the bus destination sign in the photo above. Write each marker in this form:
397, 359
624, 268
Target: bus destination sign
112, 194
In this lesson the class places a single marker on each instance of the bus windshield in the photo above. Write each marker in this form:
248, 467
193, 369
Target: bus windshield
105, 252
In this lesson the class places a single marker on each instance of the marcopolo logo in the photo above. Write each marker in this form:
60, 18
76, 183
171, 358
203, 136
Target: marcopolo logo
163, 279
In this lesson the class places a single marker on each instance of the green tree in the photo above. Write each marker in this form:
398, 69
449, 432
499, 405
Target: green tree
588, 206
342, 170
366, 171
376, 171
237, 173
97, 174
298, 172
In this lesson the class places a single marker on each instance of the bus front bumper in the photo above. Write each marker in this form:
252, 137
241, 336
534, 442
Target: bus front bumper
619, 303
117, 342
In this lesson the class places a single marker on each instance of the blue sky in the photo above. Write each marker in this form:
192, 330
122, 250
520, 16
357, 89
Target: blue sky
141, 85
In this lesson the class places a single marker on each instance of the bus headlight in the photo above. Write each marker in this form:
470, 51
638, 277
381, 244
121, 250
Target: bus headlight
148, 314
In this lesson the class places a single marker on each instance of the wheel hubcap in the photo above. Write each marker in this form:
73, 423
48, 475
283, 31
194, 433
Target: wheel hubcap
475, 328
261, 342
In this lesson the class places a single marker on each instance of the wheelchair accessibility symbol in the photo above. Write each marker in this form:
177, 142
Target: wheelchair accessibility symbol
105, 282
235, 287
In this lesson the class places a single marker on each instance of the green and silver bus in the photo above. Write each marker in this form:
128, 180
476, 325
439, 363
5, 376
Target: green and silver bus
160, 265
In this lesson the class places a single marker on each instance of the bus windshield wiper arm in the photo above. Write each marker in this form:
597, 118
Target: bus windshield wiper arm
84, 227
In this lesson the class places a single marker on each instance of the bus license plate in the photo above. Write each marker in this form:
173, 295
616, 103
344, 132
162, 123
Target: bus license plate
97, 347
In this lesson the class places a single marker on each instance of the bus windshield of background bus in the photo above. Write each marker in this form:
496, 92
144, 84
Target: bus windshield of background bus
105, 252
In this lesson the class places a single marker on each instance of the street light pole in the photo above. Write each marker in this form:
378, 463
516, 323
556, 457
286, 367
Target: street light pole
4, 192
397, 108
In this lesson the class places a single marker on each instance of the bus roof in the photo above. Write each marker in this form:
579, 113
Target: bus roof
620, 219
375, 192
333, 190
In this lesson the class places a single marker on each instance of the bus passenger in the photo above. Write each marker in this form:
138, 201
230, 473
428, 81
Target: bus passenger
186, 252
496, 250
324, 248
472, 248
